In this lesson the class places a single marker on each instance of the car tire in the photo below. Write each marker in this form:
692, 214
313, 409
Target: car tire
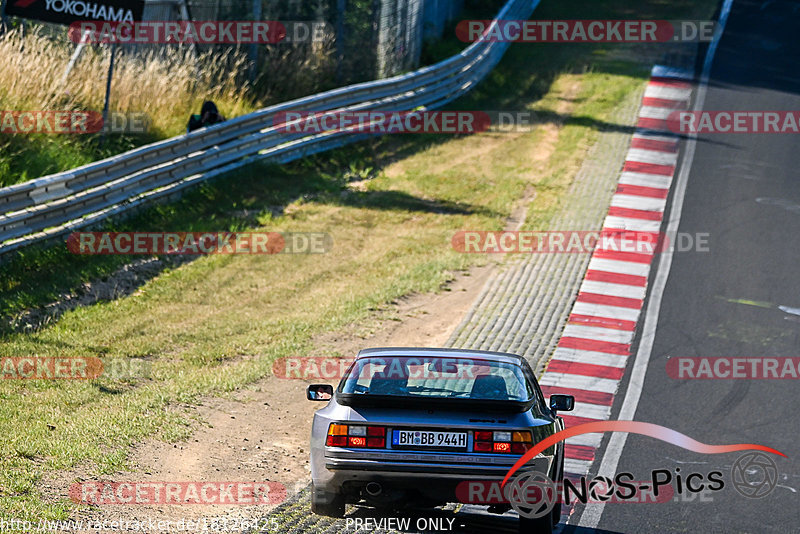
556, 514
560, 479
546, 523
538, 525
327, 504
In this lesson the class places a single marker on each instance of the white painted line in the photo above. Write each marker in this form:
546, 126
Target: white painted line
593, 512
591, 411
653, 112
621, 241
603, 310
615, 290
646, 179
652, 156
593, 357
649, 135
589, 383
628, 242
663, 71
618, 266
637, 202
667, 93
587, 440
629, 223
589, 356
579, 467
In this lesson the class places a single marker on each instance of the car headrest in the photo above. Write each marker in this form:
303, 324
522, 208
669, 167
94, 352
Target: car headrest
387, 386
490, 387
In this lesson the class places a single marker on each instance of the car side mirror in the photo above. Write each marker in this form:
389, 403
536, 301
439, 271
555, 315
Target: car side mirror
562, 403
319, 392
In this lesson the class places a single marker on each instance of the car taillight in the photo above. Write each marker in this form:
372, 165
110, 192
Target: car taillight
482, 446
502, 436
521, 442
376, 437
502, 442
376, 443
521, 448
355, 441
502, 447
336, 441
337, 436
356, 436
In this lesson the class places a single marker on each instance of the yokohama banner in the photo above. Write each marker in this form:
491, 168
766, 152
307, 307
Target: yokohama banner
69, 11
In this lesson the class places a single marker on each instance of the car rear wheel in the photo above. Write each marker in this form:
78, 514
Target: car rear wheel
556, 513
546, 523
327, 504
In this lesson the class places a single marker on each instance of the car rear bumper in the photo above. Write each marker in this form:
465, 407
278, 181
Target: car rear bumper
431, 480
354, 468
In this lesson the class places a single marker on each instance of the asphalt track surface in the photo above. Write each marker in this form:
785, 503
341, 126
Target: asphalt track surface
739, 299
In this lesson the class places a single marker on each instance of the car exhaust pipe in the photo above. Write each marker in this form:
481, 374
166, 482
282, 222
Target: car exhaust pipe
373, 489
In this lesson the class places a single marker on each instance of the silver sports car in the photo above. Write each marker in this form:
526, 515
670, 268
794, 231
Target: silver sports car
406, 426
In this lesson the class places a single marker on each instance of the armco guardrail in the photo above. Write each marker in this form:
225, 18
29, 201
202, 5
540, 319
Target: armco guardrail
54, 205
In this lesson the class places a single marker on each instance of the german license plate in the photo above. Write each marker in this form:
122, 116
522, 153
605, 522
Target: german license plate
429, 438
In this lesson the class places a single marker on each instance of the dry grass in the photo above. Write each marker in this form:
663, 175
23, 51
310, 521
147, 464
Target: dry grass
293, 71
168, 83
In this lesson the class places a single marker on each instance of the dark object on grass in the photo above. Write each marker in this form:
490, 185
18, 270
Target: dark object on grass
208, 115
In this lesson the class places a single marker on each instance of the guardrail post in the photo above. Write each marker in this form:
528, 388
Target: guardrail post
108, 89
341, 7
254, 46
3, 17
185, 16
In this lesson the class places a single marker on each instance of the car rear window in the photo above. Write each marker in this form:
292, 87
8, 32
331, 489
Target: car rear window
426, 377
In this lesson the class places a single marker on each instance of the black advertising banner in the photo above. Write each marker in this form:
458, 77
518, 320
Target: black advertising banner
69, 11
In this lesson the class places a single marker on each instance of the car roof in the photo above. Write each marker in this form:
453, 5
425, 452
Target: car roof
506, 357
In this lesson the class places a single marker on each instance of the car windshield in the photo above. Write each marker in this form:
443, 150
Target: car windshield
458, 378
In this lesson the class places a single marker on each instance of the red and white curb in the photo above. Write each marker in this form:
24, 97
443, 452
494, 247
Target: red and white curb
590, 358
